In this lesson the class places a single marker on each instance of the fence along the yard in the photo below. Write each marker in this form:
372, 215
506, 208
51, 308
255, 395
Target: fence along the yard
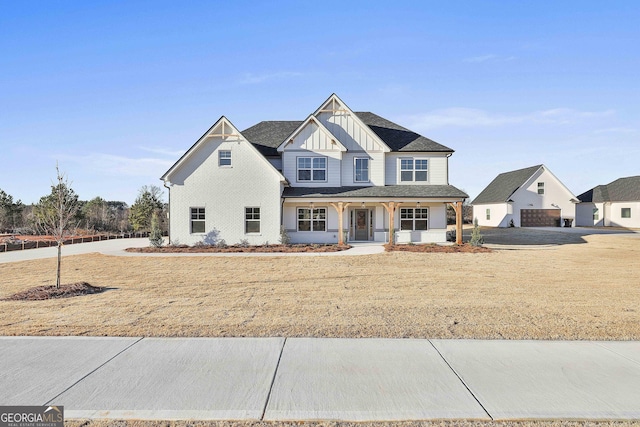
30, 244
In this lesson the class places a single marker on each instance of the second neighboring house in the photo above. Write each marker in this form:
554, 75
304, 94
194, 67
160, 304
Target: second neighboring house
336, 176
613, 204
530, 197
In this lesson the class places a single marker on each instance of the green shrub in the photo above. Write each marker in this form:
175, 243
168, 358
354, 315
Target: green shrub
476, 237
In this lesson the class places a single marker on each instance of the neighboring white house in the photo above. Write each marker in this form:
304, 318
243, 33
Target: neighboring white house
530, 197
614, 204
335, 175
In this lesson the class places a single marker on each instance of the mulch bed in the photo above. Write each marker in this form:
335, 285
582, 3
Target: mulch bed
241, 249
433, 248
50, 292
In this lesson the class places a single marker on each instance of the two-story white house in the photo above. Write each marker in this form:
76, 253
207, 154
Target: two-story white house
336, 176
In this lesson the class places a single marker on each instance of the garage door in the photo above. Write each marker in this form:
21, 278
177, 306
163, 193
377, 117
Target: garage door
539, 217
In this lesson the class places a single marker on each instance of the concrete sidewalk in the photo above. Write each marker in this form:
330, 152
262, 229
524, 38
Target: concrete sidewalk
320, 379
117, 247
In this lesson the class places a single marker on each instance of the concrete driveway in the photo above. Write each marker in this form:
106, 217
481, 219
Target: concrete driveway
544, 236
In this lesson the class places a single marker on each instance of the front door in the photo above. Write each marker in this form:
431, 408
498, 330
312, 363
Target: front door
362, 224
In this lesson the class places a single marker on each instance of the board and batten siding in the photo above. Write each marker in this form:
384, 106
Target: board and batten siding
437, 168
224, 192
354, 135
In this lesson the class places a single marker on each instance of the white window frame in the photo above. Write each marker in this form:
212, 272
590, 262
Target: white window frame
596, 214
198, 215
224, 159
251, 216
403, 161
409, 214
312, 168
355, 169
622, 213
312, 218
488, 214
541, 188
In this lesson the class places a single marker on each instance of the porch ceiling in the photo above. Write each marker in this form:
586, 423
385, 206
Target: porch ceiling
388, 191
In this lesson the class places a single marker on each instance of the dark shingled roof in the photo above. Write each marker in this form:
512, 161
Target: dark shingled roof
504, 185
399, 138
267, 136
621, 190
389, 191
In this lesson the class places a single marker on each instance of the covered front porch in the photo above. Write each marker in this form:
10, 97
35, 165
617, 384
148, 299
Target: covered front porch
410, 214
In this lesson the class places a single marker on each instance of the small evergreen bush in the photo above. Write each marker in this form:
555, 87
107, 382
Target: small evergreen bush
155, 236
476, 237
284, 236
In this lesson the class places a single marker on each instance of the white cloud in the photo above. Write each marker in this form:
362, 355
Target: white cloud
250, 78
470, 117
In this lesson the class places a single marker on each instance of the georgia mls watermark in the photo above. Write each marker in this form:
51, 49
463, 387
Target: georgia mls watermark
31, 416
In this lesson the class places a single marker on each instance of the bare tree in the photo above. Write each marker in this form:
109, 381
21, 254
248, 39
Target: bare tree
57, 212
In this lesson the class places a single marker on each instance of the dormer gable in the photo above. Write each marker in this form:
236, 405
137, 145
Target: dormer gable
347, 127
311, 135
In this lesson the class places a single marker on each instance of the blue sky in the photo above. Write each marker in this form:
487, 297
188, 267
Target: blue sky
116, 91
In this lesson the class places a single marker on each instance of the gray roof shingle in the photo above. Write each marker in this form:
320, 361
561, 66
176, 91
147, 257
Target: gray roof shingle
268, 135
621, 190
399, 138
504, 185
389, 191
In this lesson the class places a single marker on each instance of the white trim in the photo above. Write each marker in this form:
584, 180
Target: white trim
349, 111
259, 220
311, 230
203, 220
326, 169
413, 170
368, 159
323, 129
222, 122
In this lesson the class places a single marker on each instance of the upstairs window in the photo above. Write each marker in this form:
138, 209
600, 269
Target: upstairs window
488, 214
312, 169
224, 158
251, 220
197, 220
413, 219
625, 212
541, 188
361, 169
596, 214
413, 170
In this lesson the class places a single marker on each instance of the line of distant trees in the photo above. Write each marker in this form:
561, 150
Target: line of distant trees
91, 216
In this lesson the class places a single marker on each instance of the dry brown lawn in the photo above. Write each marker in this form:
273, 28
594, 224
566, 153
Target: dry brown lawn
572, 291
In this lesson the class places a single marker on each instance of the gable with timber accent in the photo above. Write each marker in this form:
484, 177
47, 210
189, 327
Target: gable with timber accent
311, 135
224, 135
345, 125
